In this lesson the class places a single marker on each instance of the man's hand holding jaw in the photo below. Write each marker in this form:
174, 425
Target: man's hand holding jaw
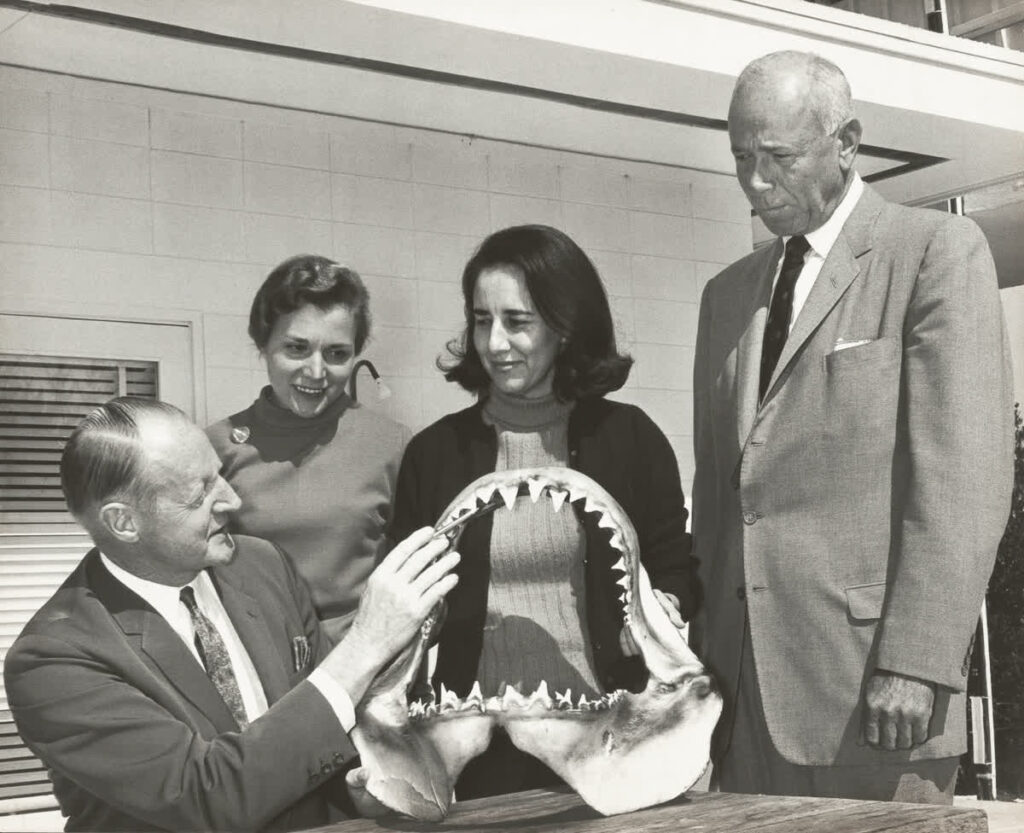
399, 595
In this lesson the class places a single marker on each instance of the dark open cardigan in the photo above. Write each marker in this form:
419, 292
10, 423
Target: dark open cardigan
615, 444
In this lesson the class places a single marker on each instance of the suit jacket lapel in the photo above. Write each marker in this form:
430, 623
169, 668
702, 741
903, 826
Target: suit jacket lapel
148, 632
837, 273
748, 358
247, 617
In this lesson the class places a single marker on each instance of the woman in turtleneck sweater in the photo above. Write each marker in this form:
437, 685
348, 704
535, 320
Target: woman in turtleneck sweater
315, 471
539, 351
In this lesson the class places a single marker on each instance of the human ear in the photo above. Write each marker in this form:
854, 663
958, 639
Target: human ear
119, 520
849, 141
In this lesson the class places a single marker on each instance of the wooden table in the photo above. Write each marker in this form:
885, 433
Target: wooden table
562, 812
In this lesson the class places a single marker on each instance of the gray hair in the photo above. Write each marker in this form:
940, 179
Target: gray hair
102, 460
830, 91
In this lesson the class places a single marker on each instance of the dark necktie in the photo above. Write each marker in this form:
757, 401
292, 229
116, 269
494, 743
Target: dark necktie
214, 654
777, 328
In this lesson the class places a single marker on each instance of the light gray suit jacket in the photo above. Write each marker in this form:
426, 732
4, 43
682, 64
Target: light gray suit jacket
855, 513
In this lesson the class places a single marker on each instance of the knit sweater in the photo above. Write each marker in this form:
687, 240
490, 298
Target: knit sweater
615, 444
320, 488
536, 605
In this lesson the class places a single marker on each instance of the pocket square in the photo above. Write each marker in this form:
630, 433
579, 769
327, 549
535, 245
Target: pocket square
300, 652
846, 345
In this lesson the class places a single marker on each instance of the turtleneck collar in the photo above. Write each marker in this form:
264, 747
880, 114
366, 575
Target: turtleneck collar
518, 414
268, 412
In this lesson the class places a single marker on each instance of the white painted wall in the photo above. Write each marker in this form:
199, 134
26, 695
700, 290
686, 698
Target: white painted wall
119, 201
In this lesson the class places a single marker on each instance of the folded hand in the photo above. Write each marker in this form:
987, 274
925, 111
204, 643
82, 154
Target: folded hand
897, 710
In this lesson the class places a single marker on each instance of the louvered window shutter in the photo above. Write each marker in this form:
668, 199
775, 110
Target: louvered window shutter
42, 399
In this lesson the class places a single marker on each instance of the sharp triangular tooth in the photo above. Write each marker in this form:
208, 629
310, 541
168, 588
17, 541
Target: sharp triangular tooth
606, 522
565, 699
512, 697
620, 565
541, 695
483, 494
557, 498
509, 494
576, 494
536, 487
475, 693
591, 505
616, 541
583, 703
622, 581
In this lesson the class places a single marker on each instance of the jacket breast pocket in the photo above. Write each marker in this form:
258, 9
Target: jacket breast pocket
860, 398
881, 351
864, 601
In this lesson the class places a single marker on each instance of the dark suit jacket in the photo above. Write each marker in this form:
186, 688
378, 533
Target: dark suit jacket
137, 738
853, 516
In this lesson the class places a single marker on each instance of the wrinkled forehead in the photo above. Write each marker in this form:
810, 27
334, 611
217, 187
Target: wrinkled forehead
777, 102
174, 450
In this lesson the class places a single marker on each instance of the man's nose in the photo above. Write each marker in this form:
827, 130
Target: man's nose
760, 178
227, 498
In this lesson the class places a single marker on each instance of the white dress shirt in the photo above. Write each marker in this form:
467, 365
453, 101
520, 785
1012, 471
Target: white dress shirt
821, 241
166, 600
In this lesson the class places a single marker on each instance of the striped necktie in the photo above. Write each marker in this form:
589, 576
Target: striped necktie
781, 308
214, 654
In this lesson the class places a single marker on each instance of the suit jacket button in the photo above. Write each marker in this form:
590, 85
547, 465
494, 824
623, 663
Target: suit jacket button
741, 593
750, 518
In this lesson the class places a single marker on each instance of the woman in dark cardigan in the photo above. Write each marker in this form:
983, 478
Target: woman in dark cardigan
539, 351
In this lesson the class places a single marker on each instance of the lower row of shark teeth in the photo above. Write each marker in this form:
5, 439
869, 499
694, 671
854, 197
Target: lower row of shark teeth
540, 700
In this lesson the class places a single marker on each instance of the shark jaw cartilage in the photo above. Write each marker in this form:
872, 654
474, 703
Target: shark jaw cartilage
619, 750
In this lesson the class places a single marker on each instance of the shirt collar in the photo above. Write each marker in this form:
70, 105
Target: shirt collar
163, 598
823, 238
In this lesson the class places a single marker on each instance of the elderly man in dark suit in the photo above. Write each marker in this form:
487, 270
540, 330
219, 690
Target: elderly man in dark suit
179, 679
853, 446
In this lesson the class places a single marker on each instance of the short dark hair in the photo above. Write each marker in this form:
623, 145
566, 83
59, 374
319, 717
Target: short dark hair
309, 279
567, 292
102, 460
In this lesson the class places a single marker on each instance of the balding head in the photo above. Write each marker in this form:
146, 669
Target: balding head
145, 482
104, 458
819, 82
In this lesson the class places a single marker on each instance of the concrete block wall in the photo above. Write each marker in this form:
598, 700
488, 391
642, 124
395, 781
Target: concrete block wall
111, 193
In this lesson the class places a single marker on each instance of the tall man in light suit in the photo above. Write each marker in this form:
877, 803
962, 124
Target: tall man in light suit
179, 679
853, 461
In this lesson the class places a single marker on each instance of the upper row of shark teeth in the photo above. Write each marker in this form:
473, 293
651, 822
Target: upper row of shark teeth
511, 700
536, 487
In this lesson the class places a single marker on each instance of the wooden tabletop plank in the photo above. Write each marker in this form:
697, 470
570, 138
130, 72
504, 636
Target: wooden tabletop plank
542, 811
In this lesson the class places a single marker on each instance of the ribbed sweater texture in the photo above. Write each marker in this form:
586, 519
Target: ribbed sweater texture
536, 605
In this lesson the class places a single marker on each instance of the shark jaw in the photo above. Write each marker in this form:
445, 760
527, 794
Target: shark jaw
619, 750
